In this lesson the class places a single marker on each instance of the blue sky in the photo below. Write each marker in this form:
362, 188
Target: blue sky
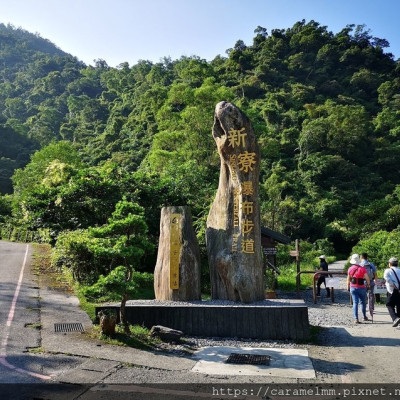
129, 30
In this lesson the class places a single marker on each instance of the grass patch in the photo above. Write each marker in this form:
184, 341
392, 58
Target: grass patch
33, 308
41, 257
41, 263
287, 277
56, 279
35, 350
87, 306
138, 337
37, 326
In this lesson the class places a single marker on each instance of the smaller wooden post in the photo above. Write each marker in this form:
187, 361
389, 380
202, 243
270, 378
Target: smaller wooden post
177, 272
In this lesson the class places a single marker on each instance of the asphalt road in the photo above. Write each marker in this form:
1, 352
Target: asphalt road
19, 316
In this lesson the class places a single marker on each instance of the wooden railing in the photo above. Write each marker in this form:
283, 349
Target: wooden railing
315, 278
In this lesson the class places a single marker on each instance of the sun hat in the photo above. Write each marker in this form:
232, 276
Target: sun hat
393, 260
355, 259
322, 257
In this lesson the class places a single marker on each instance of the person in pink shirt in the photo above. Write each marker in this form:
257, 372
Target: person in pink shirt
357, 284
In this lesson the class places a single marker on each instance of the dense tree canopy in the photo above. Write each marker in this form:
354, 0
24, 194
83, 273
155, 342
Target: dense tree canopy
325, 108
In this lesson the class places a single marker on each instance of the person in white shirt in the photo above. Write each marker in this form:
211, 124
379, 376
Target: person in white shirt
392, 280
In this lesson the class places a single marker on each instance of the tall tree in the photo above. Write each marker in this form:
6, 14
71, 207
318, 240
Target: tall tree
126, 234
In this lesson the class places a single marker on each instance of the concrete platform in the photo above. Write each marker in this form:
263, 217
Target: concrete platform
290, 363
268, 319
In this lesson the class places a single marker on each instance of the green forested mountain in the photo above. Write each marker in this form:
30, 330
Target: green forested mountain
325, 107
34, 75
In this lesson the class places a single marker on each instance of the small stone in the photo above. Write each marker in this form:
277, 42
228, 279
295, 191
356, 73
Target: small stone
166, 334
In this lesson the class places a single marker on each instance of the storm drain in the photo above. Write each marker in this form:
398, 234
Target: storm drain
69, 327
253, 359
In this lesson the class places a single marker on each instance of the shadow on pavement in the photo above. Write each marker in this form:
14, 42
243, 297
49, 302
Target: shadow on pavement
340, 337
40, 364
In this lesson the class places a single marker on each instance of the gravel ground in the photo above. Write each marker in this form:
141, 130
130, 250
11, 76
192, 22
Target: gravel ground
324, 312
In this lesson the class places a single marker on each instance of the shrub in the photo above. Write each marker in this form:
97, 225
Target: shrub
76, 250
309, 260
110, 287
380, 246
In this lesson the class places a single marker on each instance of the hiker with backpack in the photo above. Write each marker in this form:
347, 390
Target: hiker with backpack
357, 284
372, 274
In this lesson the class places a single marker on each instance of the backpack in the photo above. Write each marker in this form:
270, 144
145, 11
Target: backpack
370, 270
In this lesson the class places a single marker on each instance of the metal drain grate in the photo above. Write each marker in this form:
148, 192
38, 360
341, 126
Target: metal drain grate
253, 359
69, 327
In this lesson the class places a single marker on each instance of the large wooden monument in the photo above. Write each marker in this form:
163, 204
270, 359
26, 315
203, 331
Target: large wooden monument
233, 232
234, 251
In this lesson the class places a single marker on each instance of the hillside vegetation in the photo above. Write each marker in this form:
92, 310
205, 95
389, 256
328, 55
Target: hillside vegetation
77, 140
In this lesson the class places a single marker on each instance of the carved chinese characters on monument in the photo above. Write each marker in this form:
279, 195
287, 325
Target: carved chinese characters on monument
174, 251
244, 162
233, 225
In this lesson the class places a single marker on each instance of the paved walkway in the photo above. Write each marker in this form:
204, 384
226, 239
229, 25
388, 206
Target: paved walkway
64, 308
337, 266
